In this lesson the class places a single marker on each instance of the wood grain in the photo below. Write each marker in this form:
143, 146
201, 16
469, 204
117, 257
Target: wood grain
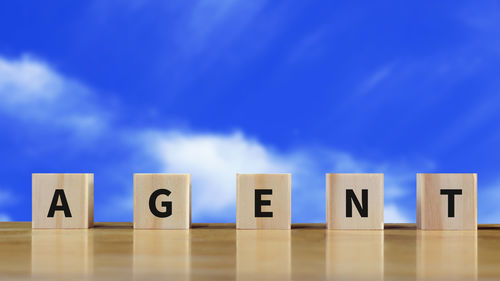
336, 186
432, 207
435, 253
280, 184
265, 251
162, 252
355, 254
79, 192
72, 252
179, 186
115, 251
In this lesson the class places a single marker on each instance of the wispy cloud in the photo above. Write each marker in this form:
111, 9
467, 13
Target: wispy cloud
213, 160
32, 91
375, 78
394, 214
223, 20
311, 46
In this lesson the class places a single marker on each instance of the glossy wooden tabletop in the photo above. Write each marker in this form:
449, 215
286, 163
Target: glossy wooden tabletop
219, 252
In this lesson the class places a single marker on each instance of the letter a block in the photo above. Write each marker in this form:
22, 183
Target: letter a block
62, 200
263, 201
447, 201
355, 201
162, 201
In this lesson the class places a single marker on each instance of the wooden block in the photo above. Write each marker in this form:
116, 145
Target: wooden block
62, 200
355, 201
162, 201
263, 201
447, 201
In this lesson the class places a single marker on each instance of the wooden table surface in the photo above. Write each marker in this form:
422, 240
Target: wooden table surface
219, 252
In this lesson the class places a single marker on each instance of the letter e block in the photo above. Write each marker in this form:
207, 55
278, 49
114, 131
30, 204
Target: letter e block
162, 201
447, 201
355, 201
263, 201
62, 200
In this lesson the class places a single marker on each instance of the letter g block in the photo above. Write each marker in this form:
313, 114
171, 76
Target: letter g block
162, 201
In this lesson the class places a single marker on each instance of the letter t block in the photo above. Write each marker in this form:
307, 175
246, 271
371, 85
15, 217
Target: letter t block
162, 201
62, 200
447, 201
263, 201
355, 201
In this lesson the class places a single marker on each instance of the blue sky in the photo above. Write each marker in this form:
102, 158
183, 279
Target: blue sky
217, 87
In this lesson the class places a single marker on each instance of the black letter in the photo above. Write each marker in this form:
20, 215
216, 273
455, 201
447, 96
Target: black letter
350, 197
259, 203
63, 207
451, 200
167, 205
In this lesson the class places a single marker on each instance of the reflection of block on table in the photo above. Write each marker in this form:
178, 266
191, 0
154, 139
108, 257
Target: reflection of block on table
355, 201
62, 200
163, 253
213, 252
61, 253
447, 255
263, 201
263, 252
447, 201
162, 201
353, 255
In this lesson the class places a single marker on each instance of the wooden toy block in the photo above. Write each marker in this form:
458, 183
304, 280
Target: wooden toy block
62, 200
355, 201
447, 201
263, 201
162, 201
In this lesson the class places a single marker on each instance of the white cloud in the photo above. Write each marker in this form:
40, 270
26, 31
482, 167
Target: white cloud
4, 217
32, 91
213, 161
393, 214
27, 81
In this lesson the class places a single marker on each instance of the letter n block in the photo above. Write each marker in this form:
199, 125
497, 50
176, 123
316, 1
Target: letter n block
263, 201
62, 200
162, 201
447, 201
355, 201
